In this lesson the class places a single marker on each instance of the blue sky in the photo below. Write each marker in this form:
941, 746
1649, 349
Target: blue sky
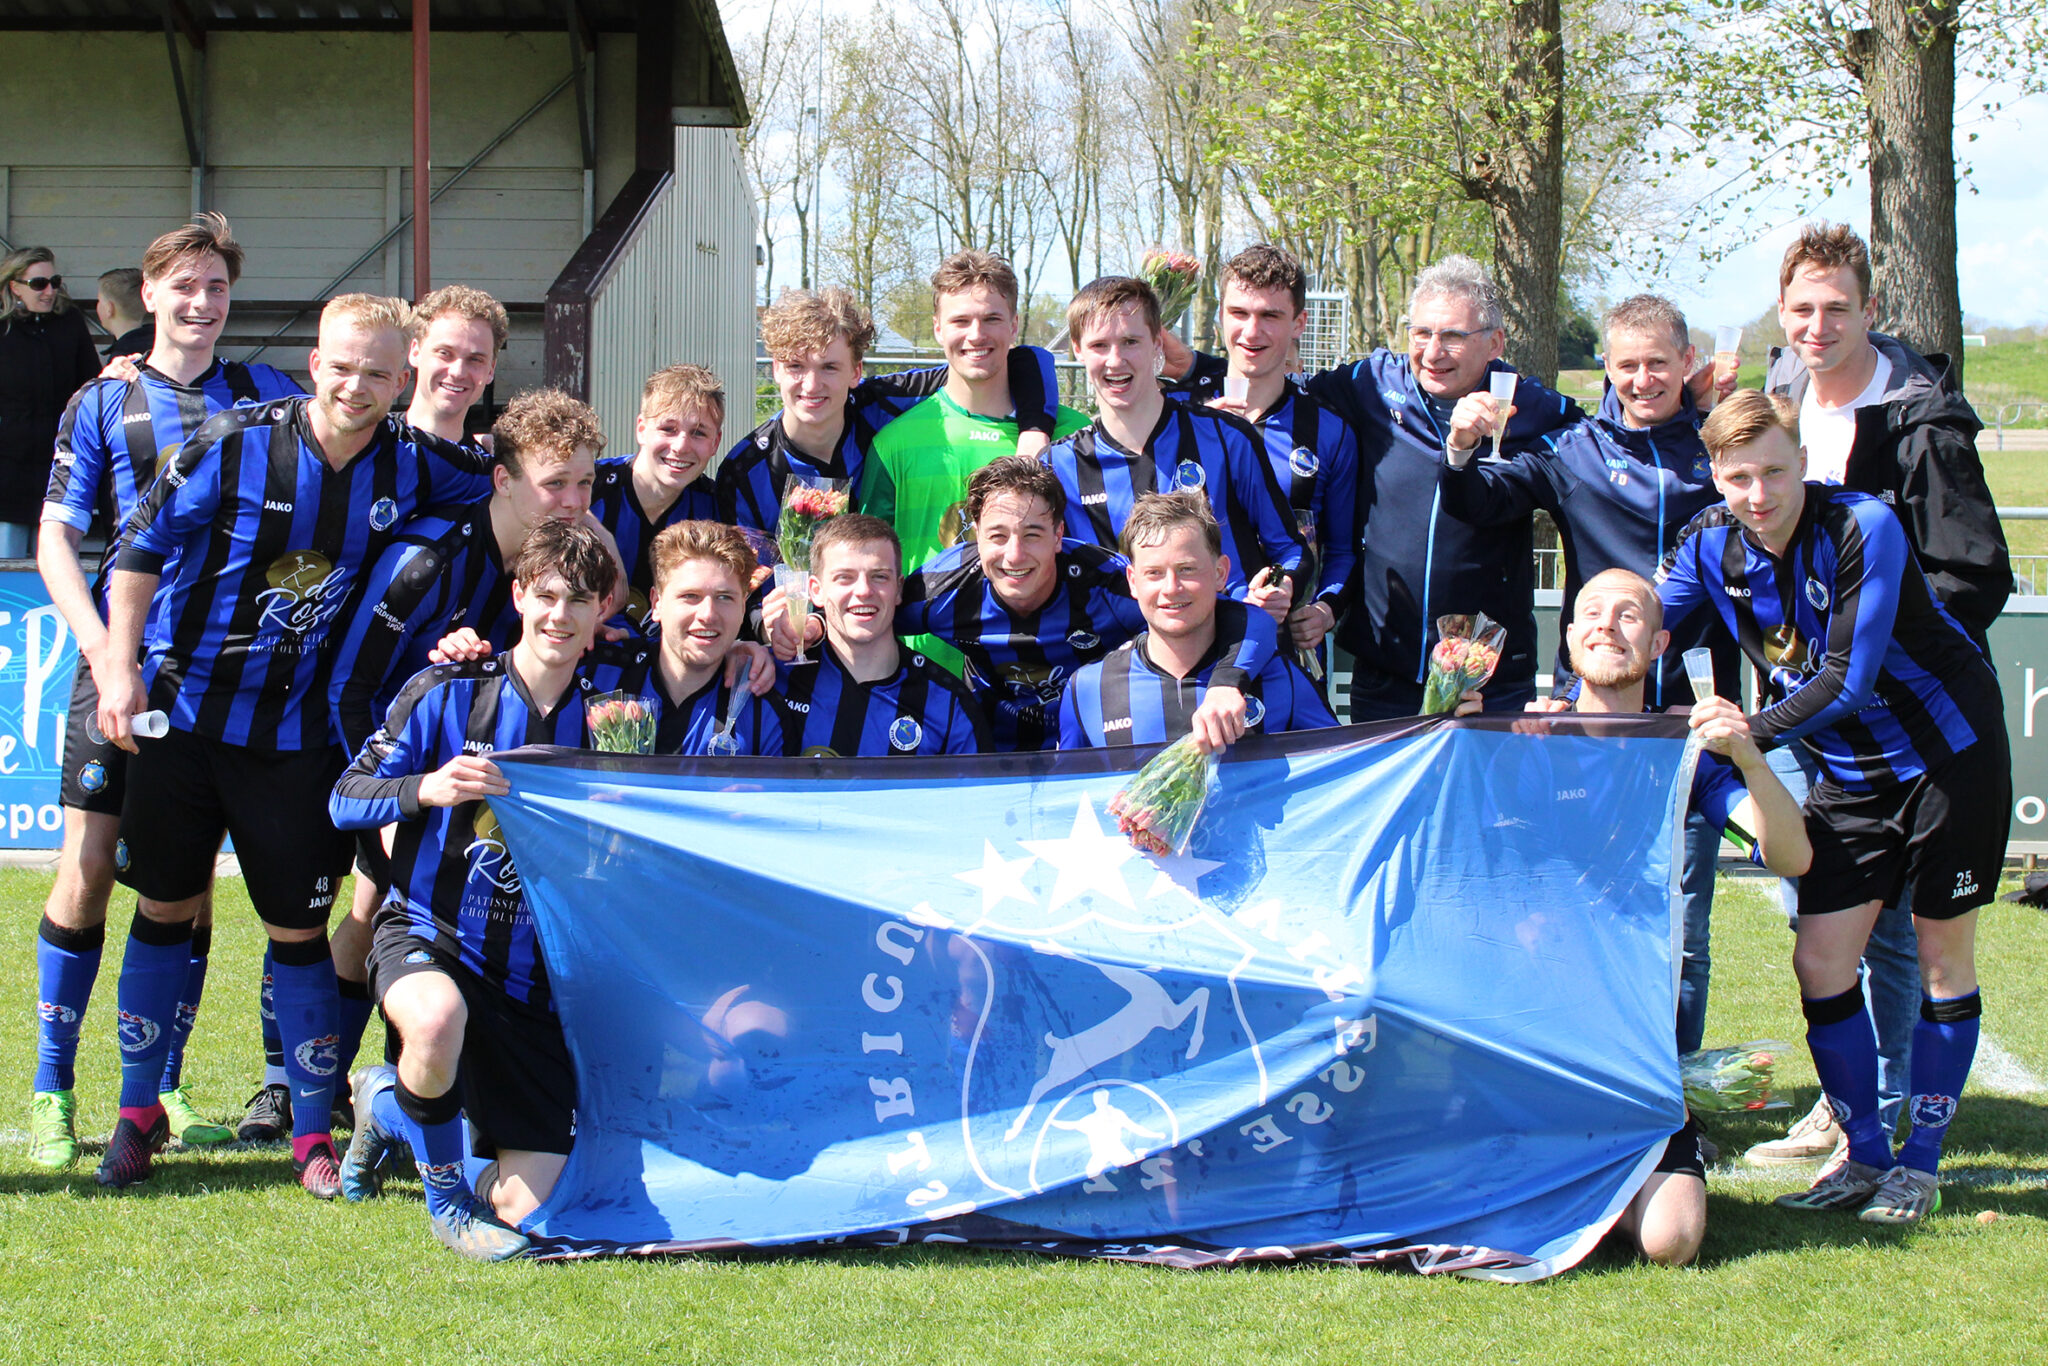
2001, 233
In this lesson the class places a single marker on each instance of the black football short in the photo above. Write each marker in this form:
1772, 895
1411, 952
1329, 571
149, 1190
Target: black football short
185, 791
517, 1080
95, 769
1942, 833
1683, 1153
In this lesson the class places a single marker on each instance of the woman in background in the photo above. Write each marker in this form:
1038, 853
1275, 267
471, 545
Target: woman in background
46, 353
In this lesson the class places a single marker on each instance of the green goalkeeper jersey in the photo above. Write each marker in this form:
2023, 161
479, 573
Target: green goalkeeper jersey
919, 465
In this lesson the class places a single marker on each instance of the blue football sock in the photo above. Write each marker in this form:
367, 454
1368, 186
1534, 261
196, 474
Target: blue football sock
1944, 1044
308, 1026
67, 964
152, 977
356, 1008
1843, 1041
266, 1008
433, 1126
188, 1009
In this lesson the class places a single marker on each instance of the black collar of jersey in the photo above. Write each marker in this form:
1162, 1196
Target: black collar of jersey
905, 660
213, 367
1145, 447
779, 445
577, 680
1142, 649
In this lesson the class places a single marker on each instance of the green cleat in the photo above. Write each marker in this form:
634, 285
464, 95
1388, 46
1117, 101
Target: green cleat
188, 1126
52, 1131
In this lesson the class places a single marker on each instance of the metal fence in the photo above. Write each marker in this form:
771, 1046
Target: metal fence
2011, 415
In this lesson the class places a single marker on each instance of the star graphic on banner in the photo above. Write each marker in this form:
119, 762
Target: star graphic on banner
1183, 871
1000, 879
1087, 859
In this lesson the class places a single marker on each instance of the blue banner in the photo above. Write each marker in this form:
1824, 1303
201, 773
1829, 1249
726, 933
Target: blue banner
1408, 996
38, 657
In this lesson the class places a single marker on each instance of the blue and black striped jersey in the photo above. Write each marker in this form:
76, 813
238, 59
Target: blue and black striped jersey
614, 502
261, 546
1862, 662
920, 709
449, 864
114, 433
1018, 663
1191, 448
756, 473
1126, 699
443, 572
1315, 457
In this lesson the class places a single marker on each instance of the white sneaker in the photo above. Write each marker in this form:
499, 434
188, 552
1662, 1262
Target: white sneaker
1814, 1138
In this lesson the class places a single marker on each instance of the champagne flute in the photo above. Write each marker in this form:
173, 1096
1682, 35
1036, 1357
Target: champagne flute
1501, 383
1305, 585
1699, 671
795, 584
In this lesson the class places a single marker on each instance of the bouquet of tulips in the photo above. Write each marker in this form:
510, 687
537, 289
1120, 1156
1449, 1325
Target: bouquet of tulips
1158, 808
1174, 276
1718, 1080
1467, 651
804, 508
621, 723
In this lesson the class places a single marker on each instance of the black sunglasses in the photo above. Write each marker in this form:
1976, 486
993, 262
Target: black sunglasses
44, 282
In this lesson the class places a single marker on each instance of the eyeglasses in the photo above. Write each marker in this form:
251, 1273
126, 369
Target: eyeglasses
40, 282
1448, 337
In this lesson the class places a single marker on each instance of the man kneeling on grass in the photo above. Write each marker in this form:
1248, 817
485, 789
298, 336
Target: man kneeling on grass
454, 957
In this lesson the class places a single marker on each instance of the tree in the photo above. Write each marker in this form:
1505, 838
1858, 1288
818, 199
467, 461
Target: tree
871, 242
1803, 96
1380, 115
782, 67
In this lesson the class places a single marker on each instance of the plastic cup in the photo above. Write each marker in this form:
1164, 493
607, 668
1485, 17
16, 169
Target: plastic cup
1699, 671
795, 583
1727, 348
1237, 389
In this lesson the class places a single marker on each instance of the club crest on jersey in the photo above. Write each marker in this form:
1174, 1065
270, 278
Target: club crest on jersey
905, 734
1083, 640
1188, 474
487, 855
320, 1055
92, 777
1933, 1112
418, 957
383, 513
1817, 594
53, 1013
1254, 712
1303, 462
136, 1032
1702, 468
820, 752
305, 589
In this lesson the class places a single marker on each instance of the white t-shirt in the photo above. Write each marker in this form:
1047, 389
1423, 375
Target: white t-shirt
1828, 433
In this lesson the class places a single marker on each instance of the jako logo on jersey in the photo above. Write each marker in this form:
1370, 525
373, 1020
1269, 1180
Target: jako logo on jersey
1817, 594
1732, 591
134, 417
979, 435
305, 590
135, 1032
1303, 462
321, 1055
1083, 640
905, 734
1966, 884
92, 777
1121, 723
1094, 499
797, 706
53, 1013
1933, 1112
271, 505
383, 513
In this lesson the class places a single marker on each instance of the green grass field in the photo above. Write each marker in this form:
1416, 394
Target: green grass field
221, 1258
